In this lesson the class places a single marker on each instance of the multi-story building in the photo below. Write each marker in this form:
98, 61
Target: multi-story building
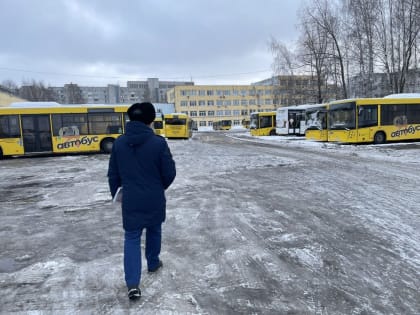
379, 85
291, 90
209, 103
151, 90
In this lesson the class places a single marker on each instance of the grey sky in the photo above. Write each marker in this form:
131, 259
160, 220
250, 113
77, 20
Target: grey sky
97, 42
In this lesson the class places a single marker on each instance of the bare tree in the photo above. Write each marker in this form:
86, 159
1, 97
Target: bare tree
10, 85
313, 45
361, 25
73, 94
398, 31
284, 58
325, 14
35, 92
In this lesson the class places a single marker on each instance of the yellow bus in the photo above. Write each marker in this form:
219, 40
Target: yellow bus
222, 124
245, 123
39, 128
374, 120
177, 125
158, 125
316, 123
263, 124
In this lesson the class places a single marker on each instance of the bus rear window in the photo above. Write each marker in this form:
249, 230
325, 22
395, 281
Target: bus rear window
175, 121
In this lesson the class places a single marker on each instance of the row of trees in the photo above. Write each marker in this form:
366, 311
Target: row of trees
37, 91
340, 39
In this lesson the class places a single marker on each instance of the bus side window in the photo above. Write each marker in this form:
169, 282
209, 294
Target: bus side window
9, 126
368, 116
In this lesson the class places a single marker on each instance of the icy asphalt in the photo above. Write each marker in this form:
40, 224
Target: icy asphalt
254, 226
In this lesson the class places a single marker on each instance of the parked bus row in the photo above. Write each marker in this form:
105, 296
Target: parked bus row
359, 120
46, 128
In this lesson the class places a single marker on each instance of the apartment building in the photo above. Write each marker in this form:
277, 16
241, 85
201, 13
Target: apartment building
379, 84
209, 103
290, 90
151, 90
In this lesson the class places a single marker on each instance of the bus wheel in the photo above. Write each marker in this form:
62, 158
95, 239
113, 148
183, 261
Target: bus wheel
106, 145
272, 132
1, 154
379, 138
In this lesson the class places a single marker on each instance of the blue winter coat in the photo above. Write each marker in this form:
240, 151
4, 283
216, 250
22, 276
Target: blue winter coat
141, 163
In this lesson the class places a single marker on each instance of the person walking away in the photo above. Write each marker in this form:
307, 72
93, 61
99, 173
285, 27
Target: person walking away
142, 164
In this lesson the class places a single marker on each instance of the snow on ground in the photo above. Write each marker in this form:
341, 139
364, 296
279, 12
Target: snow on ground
243, 234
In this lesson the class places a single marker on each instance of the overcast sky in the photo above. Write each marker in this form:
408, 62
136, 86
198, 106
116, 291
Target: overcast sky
99, 42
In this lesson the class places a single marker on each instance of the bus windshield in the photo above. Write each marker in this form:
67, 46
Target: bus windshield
253, 123
316, 119
342, 116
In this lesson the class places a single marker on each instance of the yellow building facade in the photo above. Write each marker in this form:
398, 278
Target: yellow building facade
206, 104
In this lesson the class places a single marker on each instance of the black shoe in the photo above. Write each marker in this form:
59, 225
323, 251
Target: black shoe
134, 293
160, 265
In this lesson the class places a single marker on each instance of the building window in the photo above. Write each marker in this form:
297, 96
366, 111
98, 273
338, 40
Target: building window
210, 123
210, 92
210, 113
210, 103
201, 103
244, 112
227, 103
193, 113
219, 113
202, 113
184, 103
244, 102
219, 103
193, 103
236, 113
202, 123
228, 112
202, 92
235, 102
236, 122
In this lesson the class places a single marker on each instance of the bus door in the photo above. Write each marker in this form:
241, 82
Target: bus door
293, 123
36, 132
367, 118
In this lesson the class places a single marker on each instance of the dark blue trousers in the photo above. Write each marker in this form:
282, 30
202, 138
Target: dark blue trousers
132, 252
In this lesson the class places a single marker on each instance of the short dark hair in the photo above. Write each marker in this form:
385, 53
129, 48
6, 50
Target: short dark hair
144, 112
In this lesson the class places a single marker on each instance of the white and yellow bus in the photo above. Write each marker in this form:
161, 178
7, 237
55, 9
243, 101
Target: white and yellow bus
291, 119
316, 123
178, 125
263, 124
39, 128
374, 120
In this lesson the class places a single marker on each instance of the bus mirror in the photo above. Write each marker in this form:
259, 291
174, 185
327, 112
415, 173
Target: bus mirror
360, 111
